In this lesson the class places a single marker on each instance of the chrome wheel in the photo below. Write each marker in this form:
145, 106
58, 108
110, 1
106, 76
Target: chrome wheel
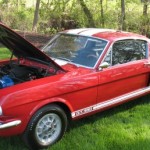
48, 129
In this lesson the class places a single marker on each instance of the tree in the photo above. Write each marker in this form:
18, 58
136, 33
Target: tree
122, 19
146, 21
102, 14
145, 7
36, 15
87, 13
18, 4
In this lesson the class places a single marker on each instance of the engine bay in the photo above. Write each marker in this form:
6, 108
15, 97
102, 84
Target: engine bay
15, 73
22, 62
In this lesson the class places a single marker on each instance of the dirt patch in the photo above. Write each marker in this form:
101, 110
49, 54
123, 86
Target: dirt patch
36, 39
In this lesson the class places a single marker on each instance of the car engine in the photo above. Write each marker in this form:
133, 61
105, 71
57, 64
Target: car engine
11, 74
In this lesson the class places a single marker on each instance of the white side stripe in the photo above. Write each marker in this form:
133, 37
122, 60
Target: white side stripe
110, 102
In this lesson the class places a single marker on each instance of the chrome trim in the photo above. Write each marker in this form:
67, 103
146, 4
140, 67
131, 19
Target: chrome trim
10, 124
110, 102
1, 111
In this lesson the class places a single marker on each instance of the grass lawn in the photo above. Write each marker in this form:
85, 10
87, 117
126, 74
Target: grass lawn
126, 127
4, 53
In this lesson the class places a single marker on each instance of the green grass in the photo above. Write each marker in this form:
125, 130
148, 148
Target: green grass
4, 53
126, 127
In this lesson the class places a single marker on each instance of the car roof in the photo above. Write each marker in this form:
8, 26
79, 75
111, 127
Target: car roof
108, 34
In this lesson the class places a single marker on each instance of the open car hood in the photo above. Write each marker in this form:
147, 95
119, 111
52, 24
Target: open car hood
21, 48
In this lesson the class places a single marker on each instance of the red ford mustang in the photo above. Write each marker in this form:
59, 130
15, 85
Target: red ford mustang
77, 73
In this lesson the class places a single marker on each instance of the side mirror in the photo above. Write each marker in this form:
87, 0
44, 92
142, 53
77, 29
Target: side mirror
104, 65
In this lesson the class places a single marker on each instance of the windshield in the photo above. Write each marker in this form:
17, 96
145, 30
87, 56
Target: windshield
76, 49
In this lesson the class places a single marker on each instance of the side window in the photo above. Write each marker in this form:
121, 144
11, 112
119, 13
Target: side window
128, 50
125, 51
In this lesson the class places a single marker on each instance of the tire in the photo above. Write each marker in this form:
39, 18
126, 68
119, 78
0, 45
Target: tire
46, 127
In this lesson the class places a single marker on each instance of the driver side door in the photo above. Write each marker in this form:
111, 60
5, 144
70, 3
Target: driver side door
127, 72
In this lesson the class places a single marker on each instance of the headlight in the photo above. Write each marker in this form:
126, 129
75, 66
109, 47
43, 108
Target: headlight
1, 111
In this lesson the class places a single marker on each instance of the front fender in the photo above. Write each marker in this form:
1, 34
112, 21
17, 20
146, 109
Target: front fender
25, 112
50, 101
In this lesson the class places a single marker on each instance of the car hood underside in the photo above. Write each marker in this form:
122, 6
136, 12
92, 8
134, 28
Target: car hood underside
22, 48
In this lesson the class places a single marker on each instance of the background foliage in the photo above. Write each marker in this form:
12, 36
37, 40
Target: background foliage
56, 15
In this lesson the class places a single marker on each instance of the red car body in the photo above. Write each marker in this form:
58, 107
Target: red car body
80, 91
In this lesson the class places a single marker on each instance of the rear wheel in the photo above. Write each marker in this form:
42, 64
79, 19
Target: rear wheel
46, 127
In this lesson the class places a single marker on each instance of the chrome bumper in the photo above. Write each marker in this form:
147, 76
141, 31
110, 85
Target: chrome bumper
10, 124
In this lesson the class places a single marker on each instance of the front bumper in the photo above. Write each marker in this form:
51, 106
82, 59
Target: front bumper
9, 124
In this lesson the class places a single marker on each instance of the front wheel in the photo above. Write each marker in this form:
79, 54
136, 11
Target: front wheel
46, 127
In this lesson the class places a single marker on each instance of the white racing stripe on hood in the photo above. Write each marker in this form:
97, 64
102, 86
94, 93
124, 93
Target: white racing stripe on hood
88, 31
76, 31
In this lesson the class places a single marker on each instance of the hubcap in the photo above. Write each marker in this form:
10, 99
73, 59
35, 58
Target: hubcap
48, 129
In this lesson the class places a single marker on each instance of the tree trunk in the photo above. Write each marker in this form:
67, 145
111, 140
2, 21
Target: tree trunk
18, 4
102, 14
122, 20
145, 7
145, 25
36, 15
87, 13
